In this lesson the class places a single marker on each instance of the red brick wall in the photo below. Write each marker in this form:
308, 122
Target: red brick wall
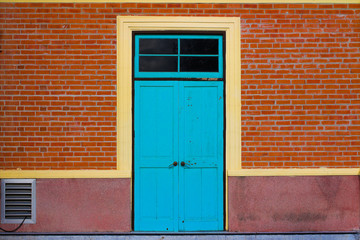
300, 82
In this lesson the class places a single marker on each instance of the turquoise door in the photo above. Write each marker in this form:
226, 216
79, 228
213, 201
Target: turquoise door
178, 155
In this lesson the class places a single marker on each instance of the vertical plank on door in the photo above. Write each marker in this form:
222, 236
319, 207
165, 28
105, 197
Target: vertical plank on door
201, 148
156, 147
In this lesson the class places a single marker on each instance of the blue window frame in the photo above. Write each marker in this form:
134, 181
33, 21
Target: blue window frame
178, 56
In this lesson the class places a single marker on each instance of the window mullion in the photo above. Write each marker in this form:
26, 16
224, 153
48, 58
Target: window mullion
178, 54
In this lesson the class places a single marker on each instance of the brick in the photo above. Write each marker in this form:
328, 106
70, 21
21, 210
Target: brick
204, 5
173, 5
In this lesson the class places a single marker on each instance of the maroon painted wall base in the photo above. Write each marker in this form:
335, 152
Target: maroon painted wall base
81, 205
256, 204
289, 204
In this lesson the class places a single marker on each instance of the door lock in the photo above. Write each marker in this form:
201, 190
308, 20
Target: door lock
184, 164
174, 164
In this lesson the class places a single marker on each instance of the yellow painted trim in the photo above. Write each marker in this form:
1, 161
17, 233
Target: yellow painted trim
183, 1
296, 172
227, 201
64, 174
231, 27
124, 98
233, 97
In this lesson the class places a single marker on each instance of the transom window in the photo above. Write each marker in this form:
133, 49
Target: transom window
178, 56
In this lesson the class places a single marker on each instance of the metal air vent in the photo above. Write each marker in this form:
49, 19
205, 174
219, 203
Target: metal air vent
18, 200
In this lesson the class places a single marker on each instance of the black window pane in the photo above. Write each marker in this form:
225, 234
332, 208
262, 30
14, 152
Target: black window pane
199, 46
158, 46
158, 64
199, 64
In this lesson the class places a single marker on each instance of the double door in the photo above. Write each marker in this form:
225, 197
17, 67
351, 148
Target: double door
178, 155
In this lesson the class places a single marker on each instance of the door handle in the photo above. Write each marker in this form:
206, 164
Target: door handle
184, 164
174, 164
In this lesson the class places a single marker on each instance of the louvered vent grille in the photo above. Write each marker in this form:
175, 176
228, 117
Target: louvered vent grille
18, 201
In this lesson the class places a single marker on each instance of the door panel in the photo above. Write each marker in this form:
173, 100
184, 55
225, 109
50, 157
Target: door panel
156, 140
201, 148
158, 186
200, 121
178, 121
